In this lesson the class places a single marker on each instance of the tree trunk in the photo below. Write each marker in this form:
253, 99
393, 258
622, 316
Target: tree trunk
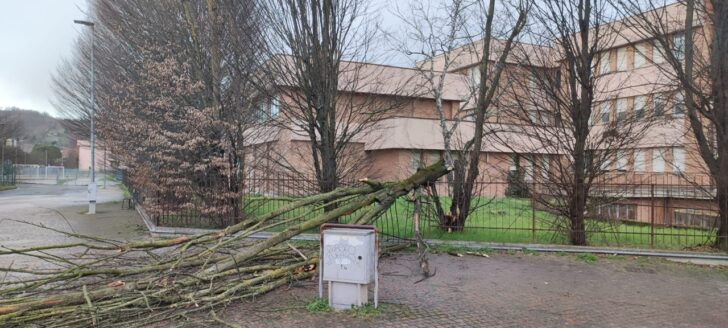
721, 238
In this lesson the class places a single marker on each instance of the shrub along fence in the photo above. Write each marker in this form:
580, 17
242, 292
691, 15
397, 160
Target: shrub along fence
7, 175
668, 212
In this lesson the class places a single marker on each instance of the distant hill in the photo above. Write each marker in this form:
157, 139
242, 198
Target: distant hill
39, 128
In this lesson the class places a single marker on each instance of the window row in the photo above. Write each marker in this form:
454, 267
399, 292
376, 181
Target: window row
659, 105
660, 160
640, 54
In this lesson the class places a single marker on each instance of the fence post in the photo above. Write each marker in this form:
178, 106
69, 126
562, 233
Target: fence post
533, 211
652, 215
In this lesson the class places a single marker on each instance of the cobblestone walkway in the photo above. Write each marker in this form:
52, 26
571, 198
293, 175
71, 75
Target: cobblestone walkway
520, 290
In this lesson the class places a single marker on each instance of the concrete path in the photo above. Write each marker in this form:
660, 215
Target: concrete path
64, 208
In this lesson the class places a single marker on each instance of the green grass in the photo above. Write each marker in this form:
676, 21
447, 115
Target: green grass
587, 257
318, 305
124, 190
503, 220
367, 311
7, 187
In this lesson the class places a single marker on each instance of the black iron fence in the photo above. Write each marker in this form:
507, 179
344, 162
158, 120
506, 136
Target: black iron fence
656, 211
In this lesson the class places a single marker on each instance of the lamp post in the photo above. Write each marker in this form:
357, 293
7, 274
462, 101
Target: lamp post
92, 184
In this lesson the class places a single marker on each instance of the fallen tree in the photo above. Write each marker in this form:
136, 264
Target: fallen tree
106, 283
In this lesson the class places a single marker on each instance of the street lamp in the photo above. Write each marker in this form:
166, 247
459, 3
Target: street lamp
92, 184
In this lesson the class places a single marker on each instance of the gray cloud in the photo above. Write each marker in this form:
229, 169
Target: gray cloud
34, 36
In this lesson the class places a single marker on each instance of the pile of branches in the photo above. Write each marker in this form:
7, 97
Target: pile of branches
107, 283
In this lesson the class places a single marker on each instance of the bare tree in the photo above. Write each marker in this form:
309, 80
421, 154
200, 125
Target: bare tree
320, 84
434, 33
490, 72
443, 38
563, 106
692, 37
173, 93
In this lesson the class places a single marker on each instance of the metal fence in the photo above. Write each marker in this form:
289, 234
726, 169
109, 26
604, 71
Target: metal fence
660, 212
31, 173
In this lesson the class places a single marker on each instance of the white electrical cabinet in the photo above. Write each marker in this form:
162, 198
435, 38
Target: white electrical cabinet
349, 257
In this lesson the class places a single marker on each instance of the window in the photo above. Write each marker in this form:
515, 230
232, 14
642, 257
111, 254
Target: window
658, 161
658, 53
474, 75
640, 55
622, 160
678, 46
539, 117
533, 117
606, 163
678, 159
260, 112
604, 112
416, 159
545, 166
658, 105
604, 62
639, 160
621, 109
275, 107
639, 106
678, 104
528, 168
533, 81
622, 59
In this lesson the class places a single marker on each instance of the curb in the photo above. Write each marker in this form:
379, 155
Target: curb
172, 231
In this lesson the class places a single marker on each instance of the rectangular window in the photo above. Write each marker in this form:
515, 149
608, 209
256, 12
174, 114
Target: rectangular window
528, 168
640, 103
678, 159
622, 160
604, 112
416, 159
533, 117
475, 75
260, 112
533, 81
604, 62
275, 107
678, 104
639, 160
622, 59
640, 55
621, 109
606, 163
658, 105
545, 166
678, 46
658, 53
658, 160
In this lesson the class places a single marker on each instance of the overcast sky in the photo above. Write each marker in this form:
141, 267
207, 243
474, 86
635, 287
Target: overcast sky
34, 36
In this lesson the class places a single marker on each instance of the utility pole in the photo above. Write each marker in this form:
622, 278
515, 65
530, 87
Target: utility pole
92, 184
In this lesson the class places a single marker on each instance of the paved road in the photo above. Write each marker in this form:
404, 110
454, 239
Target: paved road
61, 207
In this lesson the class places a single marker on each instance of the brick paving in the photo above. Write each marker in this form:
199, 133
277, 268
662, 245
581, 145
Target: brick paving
516, 290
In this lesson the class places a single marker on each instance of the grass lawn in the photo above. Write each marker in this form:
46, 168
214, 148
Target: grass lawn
506, 220
7, 187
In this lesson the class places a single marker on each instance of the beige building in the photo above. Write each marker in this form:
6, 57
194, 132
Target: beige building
631, 84
103, 161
